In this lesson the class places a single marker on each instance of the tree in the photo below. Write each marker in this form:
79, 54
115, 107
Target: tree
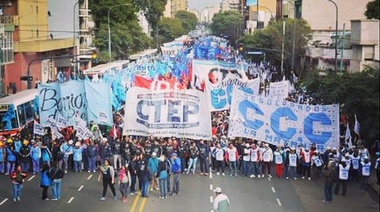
373, 10
126, 34
357, 93
153, 10
169, 29
189, 20
228, 24
271, 39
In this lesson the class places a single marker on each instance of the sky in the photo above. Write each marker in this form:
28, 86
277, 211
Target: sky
202, 4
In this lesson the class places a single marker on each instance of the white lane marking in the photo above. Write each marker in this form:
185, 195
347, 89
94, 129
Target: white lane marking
31, 178
2, 202
211, 187
274, 191
278, 202
70, 200
210, 175
269, 179
211, 199
80, 188
89, 177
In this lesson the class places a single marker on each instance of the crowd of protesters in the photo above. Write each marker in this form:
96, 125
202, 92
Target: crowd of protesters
150, 163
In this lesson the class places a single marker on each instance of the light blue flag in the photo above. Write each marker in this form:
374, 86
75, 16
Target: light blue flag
74, 101
49, 101
99, 101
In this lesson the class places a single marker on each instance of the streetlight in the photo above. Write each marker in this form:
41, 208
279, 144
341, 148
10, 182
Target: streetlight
109, 30
336, 34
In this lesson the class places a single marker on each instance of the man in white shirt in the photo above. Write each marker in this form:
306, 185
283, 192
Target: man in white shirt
221, 201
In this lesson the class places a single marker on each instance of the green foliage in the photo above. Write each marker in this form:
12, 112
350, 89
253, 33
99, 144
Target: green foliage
153, 11
228, 24
189, 20
373, 10
126, 34
169, 29
357, 93
271, 37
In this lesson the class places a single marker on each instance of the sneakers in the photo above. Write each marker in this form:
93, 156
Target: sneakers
252, 176
269, 176
161, 197
157, 189
309, 178
114, 197
151, 189
230, 175
294, 178
263, 175
235, 175
132, 194
303, 177
201, 173
223, 174
54, 199
18, 199
65, 171
217, 173
102, 199
287, 178
14, 199
124, 200
325, 201
259, 176
94, 171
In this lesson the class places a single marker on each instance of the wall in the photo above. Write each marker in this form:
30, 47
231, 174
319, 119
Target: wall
61, 21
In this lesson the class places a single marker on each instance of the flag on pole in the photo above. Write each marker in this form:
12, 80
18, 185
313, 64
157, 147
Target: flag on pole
357, 126
348, 136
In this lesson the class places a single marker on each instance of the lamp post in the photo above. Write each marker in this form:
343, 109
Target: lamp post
109, 30
336, 34
74, 32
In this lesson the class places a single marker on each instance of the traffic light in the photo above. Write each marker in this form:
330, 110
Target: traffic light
94, 57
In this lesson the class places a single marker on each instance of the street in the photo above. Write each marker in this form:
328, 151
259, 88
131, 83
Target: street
81, 192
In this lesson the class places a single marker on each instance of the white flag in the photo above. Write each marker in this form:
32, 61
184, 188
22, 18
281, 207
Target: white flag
357, 126
38, 128
348, 136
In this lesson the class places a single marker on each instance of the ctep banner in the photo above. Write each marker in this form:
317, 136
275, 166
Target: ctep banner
284, 123
179, 113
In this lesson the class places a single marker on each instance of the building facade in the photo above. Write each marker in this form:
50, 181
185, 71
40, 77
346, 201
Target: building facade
177, 5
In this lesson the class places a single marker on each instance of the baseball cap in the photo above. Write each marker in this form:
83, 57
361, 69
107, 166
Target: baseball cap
218, 189
174, 154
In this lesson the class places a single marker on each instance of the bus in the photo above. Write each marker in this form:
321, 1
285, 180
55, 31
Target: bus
22, 114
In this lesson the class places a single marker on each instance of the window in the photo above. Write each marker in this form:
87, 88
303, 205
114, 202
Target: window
7, 48
25, 112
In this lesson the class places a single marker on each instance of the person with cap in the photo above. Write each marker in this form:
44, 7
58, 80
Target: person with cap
77, 156
326, 156
246, 160
24, 155
176, 170
203, 158
279, 161
354, 169
316, 164
343, 174
221, 202
365, 166
35, 155
153, 168
2, 157
66, 149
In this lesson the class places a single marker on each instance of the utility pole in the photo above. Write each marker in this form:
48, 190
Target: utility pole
342, 49
282, 49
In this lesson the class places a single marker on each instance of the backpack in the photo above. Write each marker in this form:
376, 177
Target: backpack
176, 167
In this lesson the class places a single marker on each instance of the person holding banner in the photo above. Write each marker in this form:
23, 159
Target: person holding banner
66, 150
267, 158
291, 163
219, 157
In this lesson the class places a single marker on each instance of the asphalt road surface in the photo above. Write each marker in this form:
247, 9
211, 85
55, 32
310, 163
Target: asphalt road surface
81, 192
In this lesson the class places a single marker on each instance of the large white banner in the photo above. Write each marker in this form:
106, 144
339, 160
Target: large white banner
280, 122
220, 94
179, 113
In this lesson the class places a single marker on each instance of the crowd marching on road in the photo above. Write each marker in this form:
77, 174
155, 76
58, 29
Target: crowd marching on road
148, 163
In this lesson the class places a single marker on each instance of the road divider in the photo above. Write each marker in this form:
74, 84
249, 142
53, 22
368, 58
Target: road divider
134, 203
89, 177
142, 205
274, 191
278, 202
70, 200
80, 188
